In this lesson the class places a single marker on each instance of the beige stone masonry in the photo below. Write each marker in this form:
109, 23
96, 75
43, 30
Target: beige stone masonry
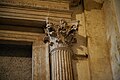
40, 62
62, 5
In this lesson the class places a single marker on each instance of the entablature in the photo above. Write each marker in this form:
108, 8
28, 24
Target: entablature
34, 14
52, 4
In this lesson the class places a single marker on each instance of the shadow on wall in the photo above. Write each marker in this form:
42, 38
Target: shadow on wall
13, 50
93, 4
81, 45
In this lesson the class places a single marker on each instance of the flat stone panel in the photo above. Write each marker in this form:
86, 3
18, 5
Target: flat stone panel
81, 70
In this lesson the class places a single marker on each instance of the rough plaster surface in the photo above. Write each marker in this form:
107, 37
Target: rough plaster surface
113, 38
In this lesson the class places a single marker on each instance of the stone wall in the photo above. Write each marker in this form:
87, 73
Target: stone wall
99, 57
99, 33
117, 10
98, 36
111, 15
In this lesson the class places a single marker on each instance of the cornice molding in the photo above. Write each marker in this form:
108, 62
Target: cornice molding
20, 36
37, 4
34, 14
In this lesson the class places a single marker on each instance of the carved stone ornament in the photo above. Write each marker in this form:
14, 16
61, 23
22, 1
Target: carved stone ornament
60, 38
62, 33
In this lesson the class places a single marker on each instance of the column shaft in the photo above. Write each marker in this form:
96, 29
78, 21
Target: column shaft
61, 65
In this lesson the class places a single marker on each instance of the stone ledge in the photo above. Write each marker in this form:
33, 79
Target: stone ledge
34, 14
63, 5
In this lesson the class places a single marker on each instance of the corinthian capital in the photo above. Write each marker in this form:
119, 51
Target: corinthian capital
62, 33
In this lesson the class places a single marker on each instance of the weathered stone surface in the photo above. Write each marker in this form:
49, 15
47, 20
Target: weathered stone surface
112, 27
39, 66
81, 69
99, 20
37, 4
117, 11
80, 65
33, 14
100, 67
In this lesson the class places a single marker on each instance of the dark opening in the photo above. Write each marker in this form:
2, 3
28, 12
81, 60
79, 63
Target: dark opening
22, 25
15, 61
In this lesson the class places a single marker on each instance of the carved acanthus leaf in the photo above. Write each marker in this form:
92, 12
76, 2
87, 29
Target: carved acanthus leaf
62, 33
